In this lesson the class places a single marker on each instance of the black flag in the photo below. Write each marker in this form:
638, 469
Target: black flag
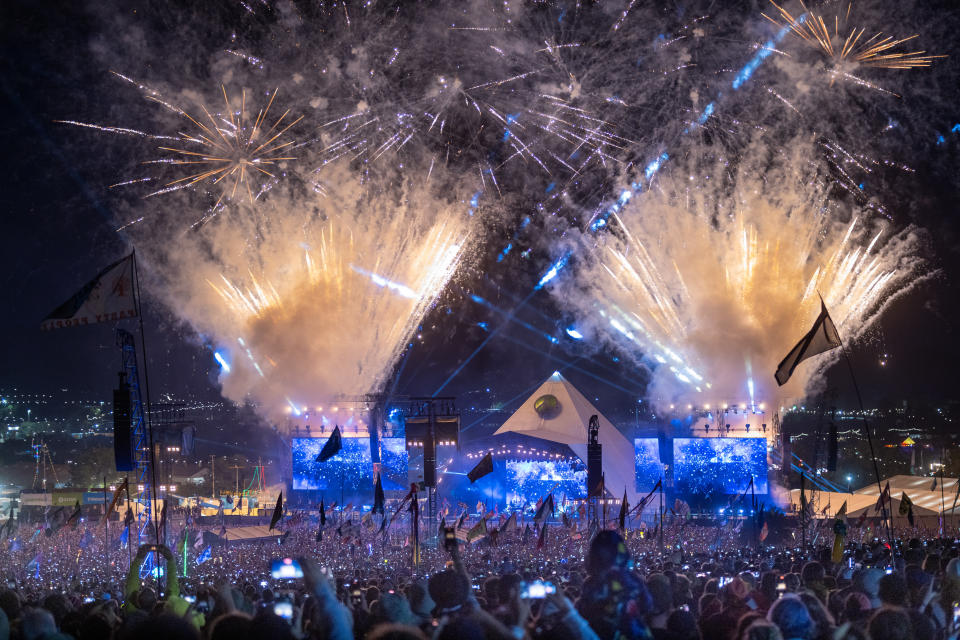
277, 512
331, 447
822, 337
323, 513
378, 499
623, 510
483, 467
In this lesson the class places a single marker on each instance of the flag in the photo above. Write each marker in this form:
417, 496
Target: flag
644, 501
764, 532
483, 467
624, 506
884, 498
116, 500
74, 519
442, 527
332, 446
367, 520
840, 533
323, 514
108, 297
542, 539
463, 516
546, 509
34, 565
277, 512
527, 533
906, 507
510, 524
204, 555
821, 338
378, 499
478, 531
226, 503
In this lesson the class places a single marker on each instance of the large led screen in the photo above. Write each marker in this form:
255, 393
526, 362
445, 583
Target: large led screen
394, 459
350, 471
649, 469
704, 466
526, 481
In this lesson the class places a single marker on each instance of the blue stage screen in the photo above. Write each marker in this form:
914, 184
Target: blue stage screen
649, 469
526, 481
349, 472
395, 463
705, 466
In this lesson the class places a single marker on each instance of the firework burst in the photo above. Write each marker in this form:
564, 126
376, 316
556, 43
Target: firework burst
870, 51
231, 149
711, 278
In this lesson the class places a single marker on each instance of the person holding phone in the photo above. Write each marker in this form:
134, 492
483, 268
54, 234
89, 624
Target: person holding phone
143, 598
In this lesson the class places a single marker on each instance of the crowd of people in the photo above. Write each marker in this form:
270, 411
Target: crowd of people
693, 582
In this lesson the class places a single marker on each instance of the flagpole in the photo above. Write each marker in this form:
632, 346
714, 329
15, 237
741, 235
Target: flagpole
106, 527
146, 385
866, 427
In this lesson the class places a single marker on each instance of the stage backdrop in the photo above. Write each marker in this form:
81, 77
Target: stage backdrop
705, 466
351, 470
646, 451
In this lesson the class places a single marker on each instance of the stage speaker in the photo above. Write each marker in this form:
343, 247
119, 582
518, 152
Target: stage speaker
594, 468
122, 436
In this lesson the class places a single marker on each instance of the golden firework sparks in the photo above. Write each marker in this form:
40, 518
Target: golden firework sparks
231, 148
874, 51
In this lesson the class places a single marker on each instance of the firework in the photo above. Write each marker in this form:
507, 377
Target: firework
854, 47
232, 149
709, 278
322, 299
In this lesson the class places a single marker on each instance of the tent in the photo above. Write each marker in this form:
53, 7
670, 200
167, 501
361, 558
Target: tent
558, 412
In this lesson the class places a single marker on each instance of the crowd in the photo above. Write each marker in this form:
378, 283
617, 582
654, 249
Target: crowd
692, 583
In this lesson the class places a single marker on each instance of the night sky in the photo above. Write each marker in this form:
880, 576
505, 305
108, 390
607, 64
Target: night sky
59, 229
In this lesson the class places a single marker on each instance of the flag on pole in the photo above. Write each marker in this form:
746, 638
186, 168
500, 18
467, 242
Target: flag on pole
906, 507
106, 298
116, 500
510, 524
821, 338
277, 512
884, 498
624, 506
546, 509
323, 513
332, 446
204, 555
74, 519
378, 499
542, 540
478, 531
484, 467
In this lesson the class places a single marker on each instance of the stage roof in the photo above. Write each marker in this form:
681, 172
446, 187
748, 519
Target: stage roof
567, 424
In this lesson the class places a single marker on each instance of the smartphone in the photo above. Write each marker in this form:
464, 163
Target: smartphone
283, 609
888, 570
88, 600
286, 569
850, 562
449, 538
537, 590
724, 581
190, 599
356, 596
